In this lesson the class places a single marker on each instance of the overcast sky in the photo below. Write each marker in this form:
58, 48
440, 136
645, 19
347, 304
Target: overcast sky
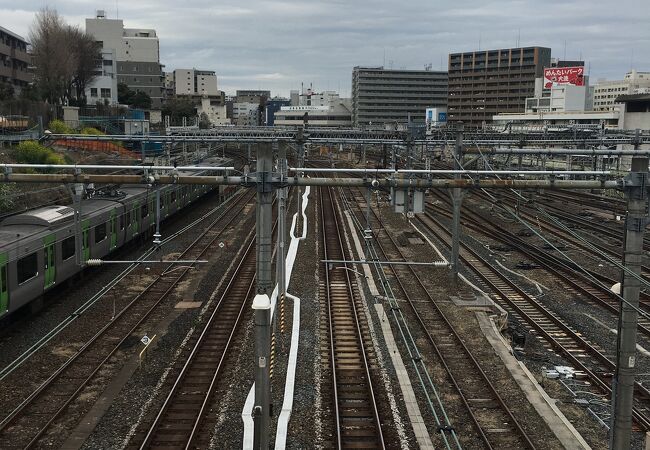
277, 45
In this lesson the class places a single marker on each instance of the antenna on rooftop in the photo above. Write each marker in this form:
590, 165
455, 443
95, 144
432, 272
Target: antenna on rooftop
518, 37
428, 66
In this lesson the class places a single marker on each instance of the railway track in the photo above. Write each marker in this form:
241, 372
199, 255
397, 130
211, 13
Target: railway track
31, 421
479, 397
557, 266
356, 418
557, 335
180, 421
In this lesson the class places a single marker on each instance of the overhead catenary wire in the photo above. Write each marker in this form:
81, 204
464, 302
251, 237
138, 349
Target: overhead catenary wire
563, 254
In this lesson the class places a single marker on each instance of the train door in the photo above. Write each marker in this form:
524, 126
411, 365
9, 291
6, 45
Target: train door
113, 230
135, 218
50, 260
85, 240
4, 285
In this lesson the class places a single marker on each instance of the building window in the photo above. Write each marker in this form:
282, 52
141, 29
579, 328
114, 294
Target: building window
93, 92
106, 93
67, 248
27, 268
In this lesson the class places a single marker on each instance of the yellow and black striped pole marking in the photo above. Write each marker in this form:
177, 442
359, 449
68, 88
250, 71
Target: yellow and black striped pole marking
282, 314
272, 358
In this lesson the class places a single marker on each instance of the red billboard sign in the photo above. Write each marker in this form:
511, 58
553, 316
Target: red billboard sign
564, 75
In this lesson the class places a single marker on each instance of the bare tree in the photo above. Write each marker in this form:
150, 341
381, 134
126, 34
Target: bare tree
65, 57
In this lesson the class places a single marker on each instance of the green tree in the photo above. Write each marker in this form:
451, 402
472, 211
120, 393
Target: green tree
176, 109
204, 121
6, 91
141, 100
124, 94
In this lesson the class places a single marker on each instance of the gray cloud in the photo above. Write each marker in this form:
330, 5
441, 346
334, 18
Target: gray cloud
279, 44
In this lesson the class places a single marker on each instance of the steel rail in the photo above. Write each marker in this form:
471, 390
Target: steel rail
335, 245
459, 341
8, 420
9, 368
481, 268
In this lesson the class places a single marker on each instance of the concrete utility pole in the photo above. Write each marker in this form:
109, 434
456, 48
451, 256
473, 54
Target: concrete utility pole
262, 304
457, 201
281, 151
635, 223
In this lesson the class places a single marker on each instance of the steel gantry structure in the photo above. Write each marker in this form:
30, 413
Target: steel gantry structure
269, 178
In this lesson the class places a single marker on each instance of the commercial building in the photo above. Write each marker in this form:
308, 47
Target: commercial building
14, 60
272, 106
193, 82
325, 109
137, 53
103, 88
338, 115
606, 92
485, 83
385, 96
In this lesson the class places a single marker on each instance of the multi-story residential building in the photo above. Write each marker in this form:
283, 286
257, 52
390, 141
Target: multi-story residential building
103, 88
385, 96
137, 53
195, 82
14, 60
606, 92
489, 82
245, 113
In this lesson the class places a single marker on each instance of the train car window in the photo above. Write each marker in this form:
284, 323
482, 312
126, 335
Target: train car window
100, 232
68, 248
173, 198
128, 218
27, 268
121, 221
144, 210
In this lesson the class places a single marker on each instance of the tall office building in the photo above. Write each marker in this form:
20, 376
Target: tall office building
14, 60
137, 52
485, 83
385, 96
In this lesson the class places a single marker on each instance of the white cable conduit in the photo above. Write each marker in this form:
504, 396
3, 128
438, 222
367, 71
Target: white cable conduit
287, 404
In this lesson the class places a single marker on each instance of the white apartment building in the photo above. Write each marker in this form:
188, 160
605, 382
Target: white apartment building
606, 92
137, 54
195, 82
216, 112
104, 87
245, 113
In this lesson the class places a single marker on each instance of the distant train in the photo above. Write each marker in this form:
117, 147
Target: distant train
13, 123
38, 248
